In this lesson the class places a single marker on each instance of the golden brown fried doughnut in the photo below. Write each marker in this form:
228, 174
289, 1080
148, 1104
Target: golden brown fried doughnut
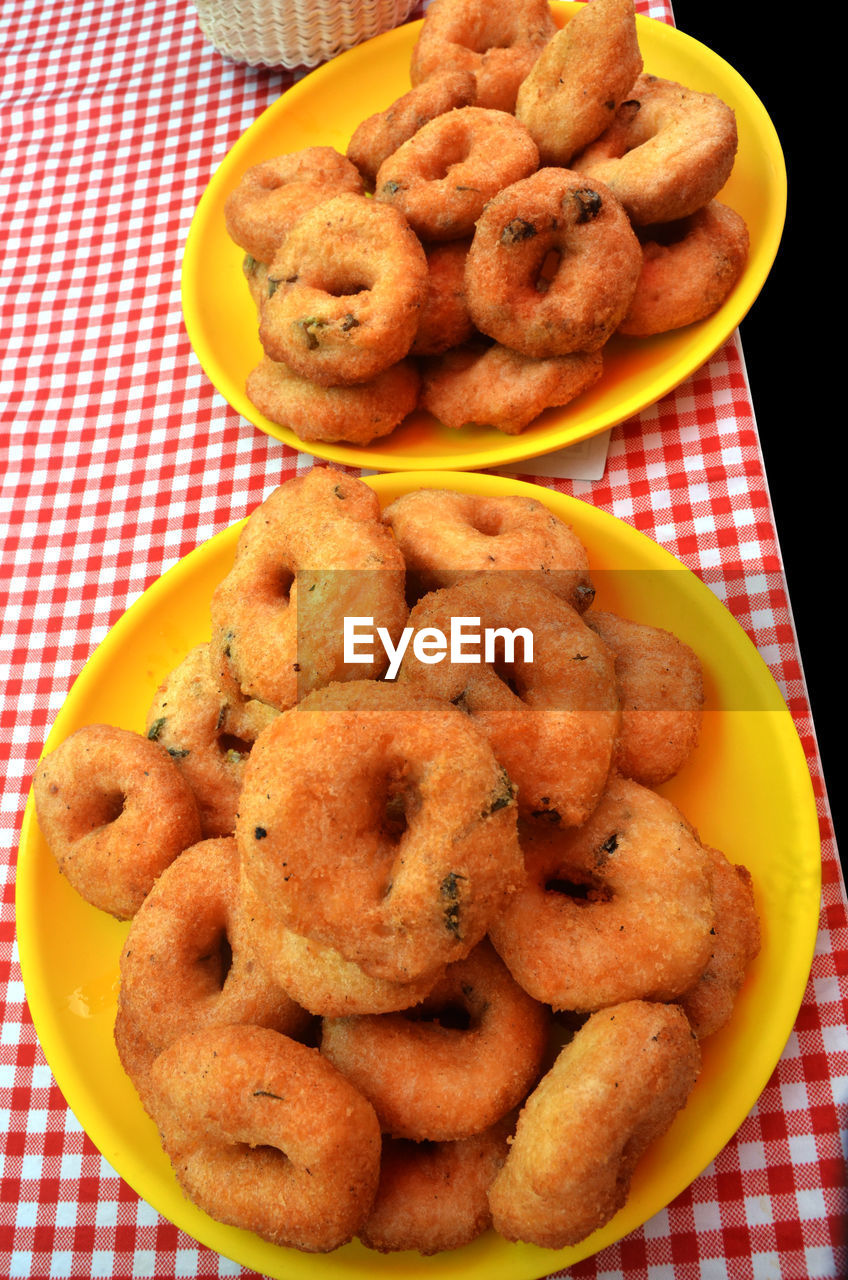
188, 963
582, 75
455, 1064
551, 722
357, 414
434, 1195
668, 151
317, 976
314, 552
614, 1089
114, 810
552, 266
445, 535
207, 737
376, 138
498, 40
497, 387
444, 320
619, 909
661, 686
264, 1134
272, 196
736, 941
442, 178
688, 270
379, 824
345, 290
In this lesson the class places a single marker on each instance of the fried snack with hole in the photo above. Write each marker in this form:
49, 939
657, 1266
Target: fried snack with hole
553, 265
689, 269
376, 138
345, 290
736, 942
189, 963
552, 720
453, 1065
661, 686
264, 1134
443, 177
356, 414
433, 1196
207, 736
619, 909
494, 386
317, 976
271, 196
612, 1091
582, 75
444, 535
498, 40
314, 552
380, 824
444, 320
668, 151
114, 810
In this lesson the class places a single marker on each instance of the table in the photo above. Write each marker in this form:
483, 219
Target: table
118, 458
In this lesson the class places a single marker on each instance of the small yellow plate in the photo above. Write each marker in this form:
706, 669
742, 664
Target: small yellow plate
324, 108
747, 789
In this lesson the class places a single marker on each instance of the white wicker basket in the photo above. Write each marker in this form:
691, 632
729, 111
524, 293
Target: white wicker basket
295, 33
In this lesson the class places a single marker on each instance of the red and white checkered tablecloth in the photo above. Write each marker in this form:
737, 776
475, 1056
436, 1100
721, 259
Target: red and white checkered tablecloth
118, 458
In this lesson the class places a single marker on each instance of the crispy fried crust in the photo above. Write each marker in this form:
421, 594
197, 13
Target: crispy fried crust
115, 811
668, 152
614, 1089
265, 1134
376, 138
582, 75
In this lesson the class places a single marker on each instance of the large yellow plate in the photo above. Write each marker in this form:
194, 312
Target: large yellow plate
747, 789
324, 108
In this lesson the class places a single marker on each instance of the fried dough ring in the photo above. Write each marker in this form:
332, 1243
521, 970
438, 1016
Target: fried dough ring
554, 213
688, 270
271, 196
496, 39
114, 810
230, 1100
620, 909
668, 152
376, 138
207, 737
439, 1081
497, 387
736, 942
551, 722
434, 1196
357, 414
189, 963
312, 553
622, 1079
442, 178
445, 535
581, 76
348, 283
661, 686
379, 824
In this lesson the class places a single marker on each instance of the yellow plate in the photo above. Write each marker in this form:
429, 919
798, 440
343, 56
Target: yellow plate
324, 108
747, 789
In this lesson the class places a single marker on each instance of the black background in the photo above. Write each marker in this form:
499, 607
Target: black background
786, 347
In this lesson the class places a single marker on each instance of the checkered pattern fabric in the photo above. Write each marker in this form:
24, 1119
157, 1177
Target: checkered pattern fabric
118, 457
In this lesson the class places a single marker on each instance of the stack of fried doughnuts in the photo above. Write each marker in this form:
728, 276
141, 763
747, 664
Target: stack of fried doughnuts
572, 195
444, 966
